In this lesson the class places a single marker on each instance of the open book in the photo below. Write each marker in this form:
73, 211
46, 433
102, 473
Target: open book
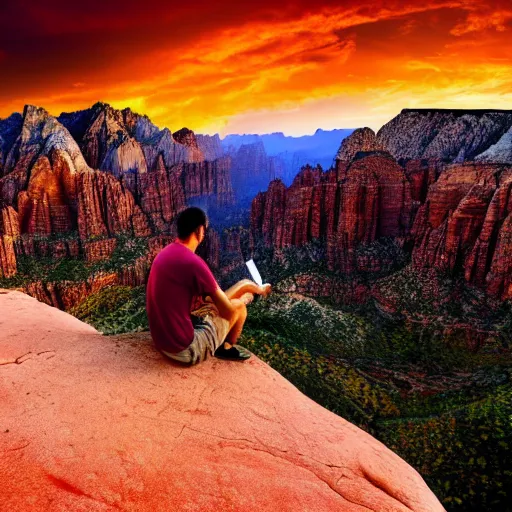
254, 272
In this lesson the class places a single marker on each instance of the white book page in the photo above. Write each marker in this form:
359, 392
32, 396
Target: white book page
254, 272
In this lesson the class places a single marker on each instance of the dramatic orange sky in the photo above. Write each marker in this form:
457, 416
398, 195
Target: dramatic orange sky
228, 66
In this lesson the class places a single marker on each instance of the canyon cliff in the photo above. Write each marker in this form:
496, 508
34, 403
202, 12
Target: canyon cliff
99, 172
373, 201
432, 185
454, 217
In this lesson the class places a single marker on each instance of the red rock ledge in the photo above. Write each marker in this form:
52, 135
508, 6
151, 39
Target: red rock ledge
93, 423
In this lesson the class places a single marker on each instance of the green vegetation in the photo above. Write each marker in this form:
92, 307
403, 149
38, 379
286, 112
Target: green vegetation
342, 389
114, 310
464, 454
47, 269
325, 331
445, 410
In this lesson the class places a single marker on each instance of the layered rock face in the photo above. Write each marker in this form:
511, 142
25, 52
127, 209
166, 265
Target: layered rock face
500, 152
168, 434
373, 201
161, 197
99, 172
210, 146
9, 231
465, 223
122, 142
106, 207
187, 138
211, 179
454, 218
40, 135
7, 257
449, 136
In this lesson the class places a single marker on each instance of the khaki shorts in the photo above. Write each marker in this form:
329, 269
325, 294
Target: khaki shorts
210, 331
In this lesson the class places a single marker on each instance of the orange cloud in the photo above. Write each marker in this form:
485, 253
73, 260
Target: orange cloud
478, 21
294, 70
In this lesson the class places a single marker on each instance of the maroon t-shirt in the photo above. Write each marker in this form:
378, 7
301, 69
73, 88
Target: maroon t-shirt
177, 275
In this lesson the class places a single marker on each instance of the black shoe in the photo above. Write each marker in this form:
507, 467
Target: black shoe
235, 353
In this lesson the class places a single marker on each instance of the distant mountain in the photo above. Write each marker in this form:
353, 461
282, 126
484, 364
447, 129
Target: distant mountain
448, 135
288, 154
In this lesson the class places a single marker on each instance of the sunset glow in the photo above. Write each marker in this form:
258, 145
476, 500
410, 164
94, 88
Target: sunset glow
224, 67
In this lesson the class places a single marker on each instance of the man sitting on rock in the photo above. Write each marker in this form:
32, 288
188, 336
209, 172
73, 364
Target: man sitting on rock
177, 276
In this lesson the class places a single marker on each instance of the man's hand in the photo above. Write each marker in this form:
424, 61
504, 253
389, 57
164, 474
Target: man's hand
265, 289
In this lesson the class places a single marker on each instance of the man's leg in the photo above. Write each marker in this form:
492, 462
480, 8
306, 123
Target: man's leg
240, 299
237, 290
237, 323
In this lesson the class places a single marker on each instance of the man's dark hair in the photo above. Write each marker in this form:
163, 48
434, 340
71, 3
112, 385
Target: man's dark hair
189, 220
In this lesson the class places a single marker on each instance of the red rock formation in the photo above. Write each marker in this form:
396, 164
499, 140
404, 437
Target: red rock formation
123, 142
210, 146
162, 145
7, 256
139, 126
11, 185
499, 278
106, 207
267, 214
41, 135
309, 176
45, 177
211, 249
207, 179
421, 174
489, 258
99, 250
105, 141
161, 197
373, 201
448, 224
9, 232
66, 294
323, 462
44, 207
9, 222
464, 226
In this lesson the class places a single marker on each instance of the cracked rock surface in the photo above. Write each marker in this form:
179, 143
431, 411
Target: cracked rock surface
94, 423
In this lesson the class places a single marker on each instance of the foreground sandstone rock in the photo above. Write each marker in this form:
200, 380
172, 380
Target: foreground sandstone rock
92, 423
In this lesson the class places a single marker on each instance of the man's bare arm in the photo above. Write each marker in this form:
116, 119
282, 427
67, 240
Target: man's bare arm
227, 302
247, 286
